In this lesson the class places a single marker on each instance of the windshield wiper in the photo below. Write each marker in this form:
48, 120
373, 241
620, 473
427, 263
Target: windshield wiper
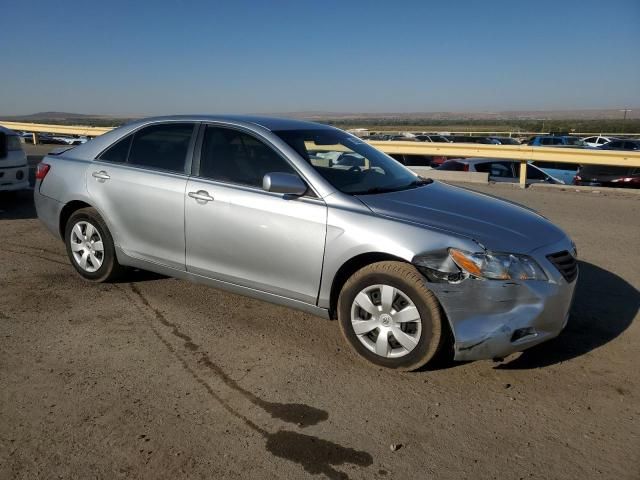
420, 181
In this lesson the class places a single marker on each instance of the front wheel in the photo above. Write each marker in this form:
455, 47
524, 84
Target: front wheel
90, 246
388, 316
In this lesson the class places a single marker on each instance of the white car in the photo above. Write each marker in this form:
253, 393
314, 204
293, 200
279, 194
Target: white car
14, 172
597, 140
71, 140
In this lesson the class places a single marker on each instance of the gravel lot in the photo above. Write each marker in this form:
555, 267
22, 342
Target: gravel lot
159, 378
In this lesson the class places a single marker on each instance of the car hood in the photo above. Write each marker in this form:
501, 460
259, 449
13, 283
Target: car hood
499, 225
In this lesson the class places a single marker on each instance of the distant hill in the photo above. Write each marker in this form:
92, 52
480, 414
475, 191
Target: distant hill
591, 114
54, 116
66, 118
602, 120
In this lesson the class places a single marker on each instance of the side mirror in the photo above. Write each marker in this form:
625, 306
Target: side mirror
287, 183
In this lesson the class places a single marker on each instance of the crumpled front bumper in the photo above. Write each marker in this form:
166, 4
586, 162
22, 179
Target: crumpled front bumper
491, 318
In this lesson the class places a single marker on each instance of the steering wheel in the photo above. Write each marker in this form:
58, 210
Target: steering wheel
355, 169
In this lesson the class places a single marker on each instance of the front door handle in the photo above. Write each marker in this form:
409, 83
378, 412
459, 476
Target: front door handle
201, 195
101, 175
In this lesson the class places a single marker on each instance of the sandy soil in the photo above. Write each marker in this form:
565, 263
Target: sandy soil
159, 378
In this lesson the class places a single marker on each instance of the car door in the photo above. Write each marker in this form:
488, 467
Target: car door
239, 233
138, 186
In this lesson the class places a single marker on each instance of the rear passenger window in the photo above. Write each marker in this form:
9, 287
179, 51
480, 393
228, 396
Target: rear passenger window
233, 156
162, 146
117, 153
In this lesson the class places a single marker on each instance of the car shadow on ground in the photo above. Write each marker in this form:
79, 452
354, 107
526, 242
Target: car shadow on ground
604, 306
17, 205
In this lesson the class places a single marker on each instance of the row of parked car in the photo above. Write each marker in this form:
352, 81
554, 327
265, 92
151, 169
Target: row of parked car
51, 139
501, 170
439, 138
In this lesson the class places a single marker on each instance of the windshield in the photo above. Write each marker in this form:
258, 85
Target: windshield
348, 163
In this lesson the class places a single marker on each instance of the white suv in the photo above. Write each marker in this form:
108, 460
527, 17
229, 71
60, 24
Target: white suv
14, 172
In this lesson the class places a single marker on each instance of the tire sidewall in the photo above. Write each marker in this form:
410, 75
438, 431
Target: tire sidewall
90, 216
429, 336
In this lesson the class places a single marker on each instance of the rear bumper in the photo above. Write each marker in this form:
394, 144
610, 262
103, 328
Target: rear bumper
14, 178
492, 319
48, 210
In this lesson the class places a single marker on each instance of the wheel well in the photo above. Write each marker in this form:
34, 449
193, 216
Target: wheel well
67, 211
356, 263
350, 267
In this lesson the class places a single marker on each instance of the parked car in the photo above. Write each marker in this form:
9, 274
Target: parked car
418, 160
48, 139
503, 141
620, 144
433, 138
469, 139
597, 140
70, 140
559, 170
409, 267
499, 170
14, 172
402, 138
556, 141
606, 176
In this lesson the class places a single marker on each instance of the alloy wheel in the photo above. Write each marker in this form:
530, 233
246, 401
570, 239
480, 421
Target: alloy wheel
86, 246
386, 321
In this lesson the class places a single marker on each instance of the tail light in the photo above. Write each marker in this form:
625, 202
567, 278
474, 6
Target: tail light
465, 167
41, 170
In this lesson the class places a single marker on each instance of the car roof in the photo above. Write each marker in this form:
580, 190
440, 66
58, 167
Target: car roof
270, 123
93, 148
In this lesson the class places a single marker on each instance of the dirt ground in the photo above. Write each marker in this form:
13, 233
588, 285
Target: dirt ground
159, 378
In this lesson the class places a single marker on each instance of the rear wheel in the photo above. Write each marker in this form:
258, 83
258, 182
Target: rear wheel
389, 316
90, 246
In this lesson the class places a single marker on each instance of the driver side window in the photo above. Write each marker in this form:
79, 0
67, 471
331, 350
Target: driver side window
233, 156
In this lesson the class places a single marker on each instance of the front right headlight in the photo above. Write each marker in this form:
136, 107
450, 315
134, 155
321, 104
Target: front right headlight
498, 266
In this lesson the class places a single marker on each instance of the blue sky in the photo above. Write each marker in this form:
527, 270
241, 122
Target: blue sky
116, 57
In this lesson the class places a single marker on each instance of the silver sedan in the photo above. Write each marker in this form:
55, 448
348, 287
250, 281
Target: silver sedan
269, 208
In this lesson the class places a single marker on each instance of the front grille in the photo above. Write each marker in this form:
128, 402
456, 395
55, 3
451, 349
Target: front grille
566, 264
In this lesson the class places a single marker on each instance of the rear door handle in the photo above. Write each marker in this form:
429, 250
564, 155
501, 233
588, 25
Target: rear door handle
201, 195
101, 175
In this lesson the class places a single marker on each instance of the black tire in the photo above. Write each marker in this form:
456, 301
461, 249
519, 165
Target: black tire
405, 277
110, 269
